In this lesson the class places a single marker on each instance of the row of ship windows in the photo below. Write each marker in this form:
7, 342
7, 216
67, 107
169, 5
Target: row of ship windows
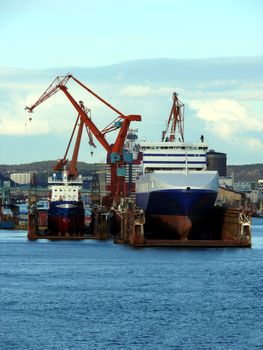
171, 147
171, 162
173, 155
68, 198
150, 170
69, 189
61, 195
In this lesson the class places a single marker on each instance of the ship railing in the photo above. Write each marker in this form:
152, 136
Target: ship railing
52, 181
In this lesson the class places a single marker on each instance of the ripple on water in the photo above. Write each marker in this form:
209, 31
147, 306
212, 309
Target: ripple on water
98, 295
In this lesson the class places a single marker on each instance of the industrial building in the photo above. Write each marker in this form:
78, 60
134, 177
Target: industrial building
21, 178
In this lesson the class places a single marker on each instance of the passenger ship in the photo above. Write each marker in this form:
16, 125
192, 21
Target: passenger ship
174, 184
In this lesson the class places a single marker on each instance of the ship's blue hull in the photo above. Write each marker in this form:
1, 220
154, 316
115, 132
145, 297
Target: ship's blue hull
66, 217
177, 201
7, 225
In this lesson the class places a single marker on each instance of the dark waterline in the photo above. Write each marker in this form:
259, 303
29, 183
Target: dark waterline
98, 295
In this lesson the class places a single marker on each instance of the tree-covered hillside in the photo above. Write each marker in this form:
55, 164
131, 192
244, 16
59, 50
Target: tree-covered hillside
248, 172
45, 169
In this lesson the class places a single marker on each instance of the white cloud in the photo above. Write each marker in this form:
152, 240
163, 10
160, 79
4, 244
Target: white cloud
55, 115
255, 144
218, 83
229, 109
226, 118
15, 120
145, 90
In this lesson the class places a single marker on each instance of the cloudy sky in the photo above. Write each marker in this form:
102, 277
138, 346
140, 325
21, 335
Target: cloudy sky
134, 54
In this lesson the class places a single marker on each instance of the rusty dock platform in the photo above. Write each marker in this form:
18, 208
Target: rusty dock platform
38, 228
192, 243
227, 228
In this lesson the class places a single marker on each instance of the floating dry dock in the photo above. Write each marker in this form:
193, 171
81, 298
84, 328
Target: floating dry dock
222, 228
38, 227
37, 231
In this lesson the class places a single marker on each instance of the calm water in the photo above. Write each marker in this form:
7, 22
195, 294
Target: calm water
98, 295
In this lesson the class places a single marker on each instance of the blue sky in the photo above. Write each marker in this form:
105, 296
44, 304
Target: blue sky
58, 33
40, 40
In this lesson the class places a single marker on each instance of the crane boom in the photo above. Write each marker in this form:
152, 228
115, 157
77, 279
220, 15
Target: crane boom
61, 163
73, 172
96, 132
53, 88
97, 96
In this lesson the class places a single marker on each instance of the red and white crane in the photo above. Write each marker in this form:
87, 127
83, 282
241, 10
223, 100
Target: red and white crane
115, 154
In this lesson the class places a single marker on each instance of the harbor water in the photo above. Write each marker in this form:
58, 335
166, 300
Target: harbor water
99, 295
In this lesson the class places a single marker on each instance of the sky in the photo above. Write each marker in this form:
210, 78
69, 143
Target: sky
123, 50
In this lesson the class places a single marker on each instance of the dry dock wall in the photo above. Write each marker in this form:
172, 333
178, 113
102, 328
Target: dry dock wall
222, 228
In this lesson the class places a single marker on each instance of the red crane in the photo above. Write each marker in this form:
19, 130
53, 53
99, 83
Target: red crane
61, 163
176, 117
121, 122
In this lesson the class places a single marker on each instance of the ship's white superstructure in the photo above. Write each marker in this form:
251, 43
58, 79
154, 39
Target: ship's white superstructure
174, 183
173, 156
63, 189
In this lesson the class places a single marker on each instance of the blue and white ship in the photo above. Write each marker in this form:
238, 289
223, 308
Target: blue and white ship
66, 210
174, 184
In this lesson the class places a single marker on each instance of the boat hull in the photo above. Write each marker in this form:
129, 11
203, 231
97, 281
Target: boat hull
170, 211
176, 202
66, 217
7, 225
171, 199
